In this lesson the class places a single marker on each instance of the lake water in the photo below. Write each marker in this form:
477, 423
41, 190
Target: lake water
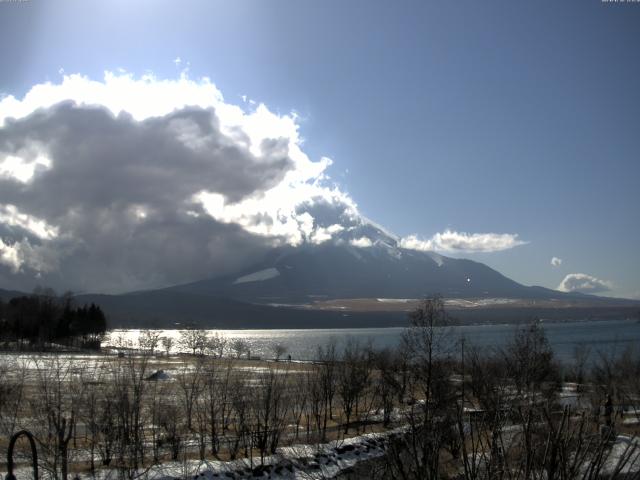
609, 336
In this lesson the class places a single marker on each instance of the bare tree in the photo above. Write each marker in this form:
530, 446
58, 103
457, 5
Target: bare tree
194, 340
328, 378
491, 393
617, 374
239, 420
157, 392
217, 383
201, 416
387, 382
298, 395
12, 390
217, 345
169, 420
578, 367
149, 340
531, 361
353, 376
107, 425
56, 406
93, 379
278, 350
167, 344
189, 381
269, 411
316, 406
128, 389
240, 346
430, 420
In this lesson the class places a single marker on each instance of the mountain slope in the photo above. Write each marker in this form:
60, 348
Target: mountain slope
6, 295
382, 270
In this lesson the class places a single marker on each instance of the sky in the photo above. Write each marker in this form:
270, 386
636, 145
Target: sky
193, 136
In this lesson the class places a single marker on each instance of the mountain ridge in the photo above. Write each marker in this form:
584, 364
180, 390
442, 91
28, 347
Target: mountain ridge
342, 271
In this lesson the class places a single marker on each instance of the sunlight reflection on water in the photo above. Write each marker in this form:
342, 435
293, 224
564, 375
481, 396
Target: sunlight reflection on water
601, 336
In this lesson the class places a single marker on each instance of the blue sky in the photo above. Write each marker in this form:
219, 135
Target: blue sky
493, 116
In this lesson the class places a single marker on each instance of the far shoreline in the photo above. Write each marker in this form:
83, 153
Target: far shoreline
454, 323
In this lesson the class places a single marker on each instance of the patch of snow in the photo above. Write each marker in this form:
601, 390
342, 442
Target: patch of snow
308, 462
395, 300
354, 251
623, 447
259, 276
478, 302
389, 249
368, 221
439, 259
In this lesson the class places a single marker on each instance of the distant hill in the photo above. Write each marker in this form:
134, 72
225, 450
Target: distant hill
176, 309
165, 309
6, 295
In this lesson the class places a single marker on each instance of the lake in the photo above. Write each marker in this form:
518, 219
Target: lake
606, 336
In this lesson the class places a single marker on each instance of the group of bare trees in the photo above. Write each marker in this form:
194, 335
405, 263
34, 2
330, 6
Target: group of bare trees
500, 413
115, 411
195, 342
454, 411
123, 413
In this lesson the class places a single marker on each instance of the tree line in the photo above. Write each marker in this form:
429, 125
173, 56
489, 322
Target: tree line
42, 319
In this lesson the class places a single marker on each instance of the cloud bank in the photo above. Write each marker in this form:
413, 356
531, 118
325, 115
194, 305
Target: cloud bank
451, 241
128, 183
583, 283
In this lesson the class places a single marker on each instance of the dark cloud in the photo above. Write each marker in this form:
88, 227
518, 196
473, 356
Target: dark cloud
120, 194
328, 212
107, 160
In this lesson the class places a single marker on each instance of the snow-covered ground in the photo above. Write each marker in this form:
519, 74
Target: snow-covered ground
259, 276
624, 447
397, 300
299, 462
478, 302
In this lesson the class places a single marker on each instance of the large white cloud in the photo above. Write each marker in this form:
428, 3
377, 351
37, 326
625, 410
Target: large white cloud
134, 182
9, 256
451, 241
125, 182
361, 242
583, 283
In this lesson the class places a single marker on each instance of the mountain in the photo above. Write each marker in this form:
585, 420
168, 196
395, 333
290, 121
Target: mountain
339, 270
291, 275
338, 284
6, 295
